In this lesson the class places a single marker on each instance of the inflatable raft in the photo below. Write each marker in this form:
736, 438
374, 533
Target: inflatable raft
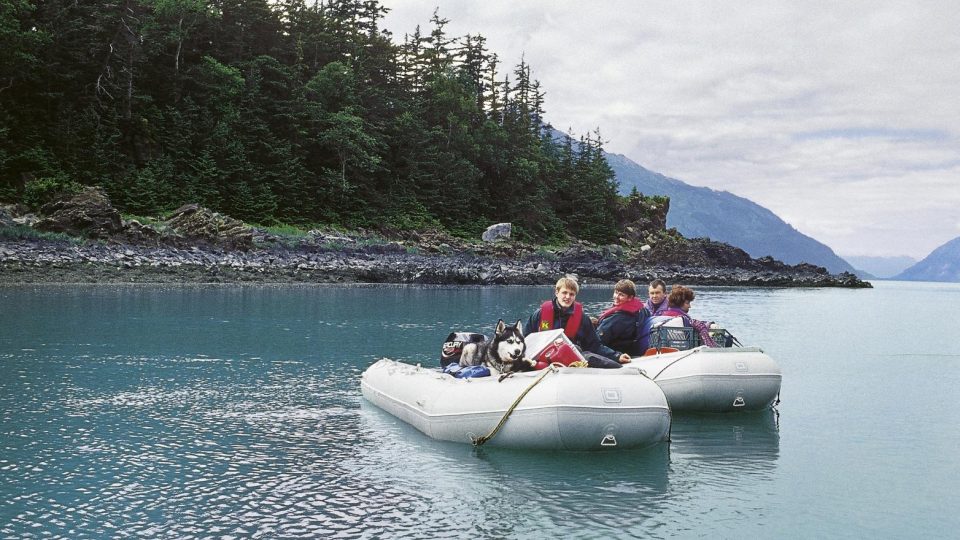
563, 409
708, 379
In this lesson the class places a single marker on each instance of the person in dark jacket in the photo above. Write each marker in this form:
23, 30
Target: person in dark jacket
563, 311
621, 326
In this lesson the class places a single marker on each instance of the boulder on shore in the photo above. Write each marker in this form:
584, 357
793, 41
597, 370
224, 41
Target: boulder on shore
198, 223
496, 232
87, 214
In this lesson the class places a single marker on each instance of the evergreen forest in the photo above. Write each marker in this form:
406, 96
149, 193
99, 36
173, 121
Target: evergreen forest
287, 112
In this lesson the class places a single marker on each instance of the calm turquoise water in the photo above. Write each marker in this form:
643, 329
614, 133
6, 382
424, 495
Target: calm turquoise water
195, 412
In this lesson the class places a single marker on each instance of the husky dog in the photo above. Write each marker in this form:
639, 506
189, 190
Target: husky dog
503, 353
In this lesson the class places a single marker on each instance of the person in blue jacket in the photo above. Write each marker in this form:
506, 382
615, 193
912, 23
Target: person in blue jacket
563, 311
621, 327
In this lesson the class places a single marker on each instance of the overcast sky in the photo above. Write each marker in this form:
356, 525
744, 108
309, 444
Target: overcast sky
843, 118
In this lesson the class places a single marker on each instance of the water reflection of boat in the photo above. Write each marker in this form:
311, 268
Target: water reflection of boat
593, 485
528, 492
568, 409
708, 379
503, 492
750, 438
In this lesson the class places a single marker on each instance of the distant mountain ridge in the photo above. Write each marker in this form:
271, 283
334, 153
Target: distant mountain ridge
725, 217
880, 267
942, 264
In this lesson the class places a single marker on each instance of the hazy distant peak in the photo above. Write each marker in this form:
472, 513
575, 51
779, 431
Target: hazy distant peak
881, 267
942, 264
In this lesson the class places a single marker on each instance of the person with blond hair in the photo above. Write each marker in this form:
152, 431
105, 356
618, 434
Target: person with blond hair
563, 311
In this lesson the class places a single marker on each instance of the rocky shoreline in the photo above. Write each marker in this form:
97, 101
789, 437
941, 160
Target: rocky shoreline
84, 240
64, 262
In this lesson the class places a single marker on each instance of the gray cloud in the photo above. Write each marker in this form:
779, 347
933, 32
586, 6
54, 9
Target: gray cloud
839, 117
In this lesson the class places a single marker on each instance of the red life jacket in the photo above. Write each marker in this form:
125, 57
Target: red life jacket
573, 323
634, 305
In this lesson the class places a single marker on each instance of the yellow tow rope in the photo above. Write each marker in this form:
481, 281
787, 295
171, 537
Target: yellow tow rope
478, 441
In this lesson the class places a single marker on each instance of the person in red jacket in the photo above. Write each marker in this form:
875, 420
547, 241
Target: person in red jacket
621, 325
563, 311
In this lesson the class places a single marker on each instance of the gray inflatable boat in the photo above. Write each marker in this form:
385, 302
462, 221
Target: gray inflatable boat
556, 408
708, 379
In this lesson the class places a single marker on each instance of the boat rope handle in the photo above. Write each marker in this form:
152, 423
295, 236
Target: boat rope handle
478, 441
672, 363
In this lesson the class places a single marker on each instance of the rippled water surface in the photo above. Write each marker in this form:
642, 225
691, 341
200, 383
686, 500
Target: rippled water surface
235, 412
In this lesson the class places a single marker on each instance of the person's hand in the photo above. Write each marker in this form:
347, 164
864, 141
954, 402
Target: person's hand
624, 358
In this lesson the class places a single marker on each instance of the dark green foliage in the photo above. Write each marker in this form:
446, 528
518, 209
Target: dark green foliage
286, 111
26, 232
39, 191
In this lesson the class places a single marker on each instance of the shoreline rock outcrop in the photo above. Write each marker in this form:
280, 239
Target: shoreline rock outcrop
30, 261
196, 245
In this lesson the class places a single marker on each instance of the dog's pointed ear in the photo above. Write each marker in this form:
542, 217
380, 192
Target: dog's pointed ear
500, 327
519, 326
